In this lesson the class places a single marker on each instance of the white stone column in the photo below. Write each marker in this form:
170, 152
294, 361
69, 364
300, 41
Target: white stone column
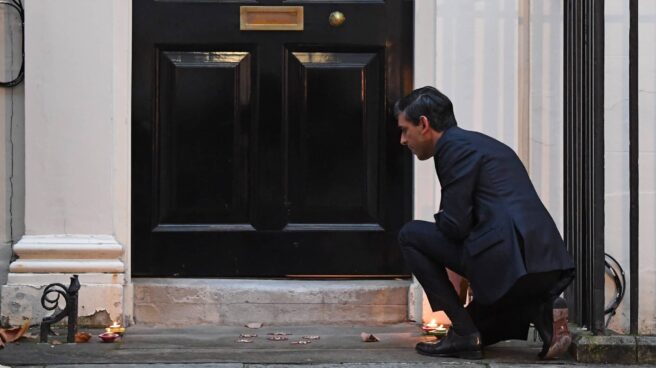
77, 159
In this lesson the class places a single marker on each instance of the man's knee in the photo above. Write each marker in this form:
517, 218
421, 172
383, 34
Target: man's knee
408, 233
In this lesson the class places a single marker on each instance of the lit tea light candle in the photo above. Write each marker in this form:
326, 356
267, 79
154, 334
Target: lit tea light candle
430, 326
439, 331
116, 328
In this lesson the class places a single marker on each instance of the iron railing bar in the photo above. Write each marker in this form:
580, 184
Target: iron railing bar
633, 167
597, 167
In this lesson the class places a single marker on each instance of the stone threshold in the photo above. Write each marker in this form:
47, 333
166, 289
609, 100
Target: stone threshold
170, 302
612, 349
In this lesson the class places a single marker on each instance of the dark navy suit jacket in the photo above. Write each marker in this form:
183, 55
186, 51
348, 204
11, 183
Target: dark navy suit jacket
490, 205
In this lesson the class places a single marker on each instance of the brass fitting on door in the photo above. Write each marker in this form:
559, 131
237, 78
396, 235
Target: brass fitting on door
336, 18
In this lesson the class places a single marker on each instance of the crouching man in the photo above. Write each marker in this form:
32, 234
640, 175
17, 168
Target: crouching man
491, 228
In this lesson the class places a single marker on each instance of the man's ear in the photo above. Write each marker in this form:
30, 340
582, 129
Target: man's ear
424, 123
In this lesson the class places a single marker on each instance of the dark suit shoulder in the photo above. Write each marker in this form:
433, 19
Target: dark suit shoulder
457, 154
481, 143
453, 141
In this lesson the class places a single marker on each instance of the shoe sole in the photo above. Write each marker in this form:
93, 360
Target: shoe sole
472, 355
562, 338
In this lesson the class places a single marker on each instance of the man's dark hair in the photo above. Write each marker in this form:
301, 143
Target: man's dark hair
431, 103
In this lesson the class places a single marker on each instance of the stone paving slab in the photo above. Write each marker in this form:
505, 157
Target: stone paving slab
614, 349
646, 349
215, 347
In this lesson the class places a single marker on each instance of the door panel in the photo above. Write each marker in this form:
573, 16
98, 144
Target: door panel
265, 154
334, 111
202, 133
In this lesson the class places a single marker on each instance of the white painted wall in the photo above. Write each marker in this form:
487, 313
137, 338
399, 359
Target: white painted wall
12, 136
616, 109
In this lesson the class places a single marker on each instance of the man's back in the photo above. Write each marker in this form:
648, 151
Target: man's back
486, 189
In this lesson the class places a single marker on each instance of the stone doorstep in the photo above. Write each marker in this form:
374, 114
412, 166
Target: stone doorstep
188, 302
616, 349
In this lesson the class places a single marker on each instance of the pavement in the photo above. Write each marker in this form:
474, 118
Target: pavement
216, 347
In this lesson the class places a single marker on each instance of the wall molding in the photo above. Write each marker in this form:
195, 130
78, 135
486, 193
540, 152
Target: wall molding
68, 254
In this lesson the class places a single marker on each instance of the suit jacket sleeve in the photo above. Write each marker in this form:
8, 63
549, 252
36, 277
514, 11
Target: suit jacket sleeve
457, 168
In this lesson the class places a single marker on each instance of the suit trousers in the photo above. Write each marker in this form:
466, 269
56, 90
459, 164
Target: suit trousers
428, 252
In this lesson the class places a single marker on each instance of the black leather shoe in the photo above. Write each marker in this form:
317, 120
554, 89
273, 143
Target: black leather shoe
551, 323
453, 345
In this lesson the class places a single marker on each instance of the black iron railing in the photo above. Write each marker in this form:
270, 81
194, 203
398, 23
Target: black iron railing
584, 157
52, 295
633, 163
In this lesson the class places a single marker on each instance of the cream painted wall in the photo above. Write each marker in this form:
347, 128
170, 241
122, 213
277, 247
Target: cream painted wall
12, 136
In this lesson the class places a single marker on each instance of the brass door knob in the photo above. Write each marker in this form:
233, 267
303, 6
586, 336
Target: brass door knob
336, 19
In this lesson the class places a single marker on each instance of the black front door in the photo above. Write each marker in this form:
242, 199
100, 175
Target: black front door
268, 153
